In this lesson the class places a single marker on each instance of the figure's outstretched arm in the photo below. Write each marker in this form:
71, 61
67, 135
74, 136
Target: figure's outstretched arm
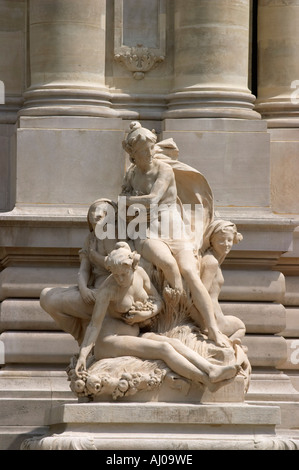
83, 278
94, 327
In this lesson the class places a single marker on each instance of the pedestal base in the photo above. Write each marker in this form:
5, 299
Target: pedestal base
162, 426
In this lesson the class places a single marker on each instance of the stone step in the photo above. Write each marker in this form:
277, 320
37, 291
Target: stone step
34, 382
239, 285
259, 286
28, 282
265, 350
38, 347
57, 347
291, 297
259, 317
291, 362
291, 329
24, 314
26, 411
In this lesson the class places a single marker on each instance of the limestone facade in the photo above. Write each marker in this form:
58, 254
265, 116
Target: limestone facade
219, 77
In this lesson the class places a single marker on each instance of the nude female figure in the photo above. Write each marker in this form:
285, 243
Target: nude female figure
71, 307
127, 298
222, 235
150, 181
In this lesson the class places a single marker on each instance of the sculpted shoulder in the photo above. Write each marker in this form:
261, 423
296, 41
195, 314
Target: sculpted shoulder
209, 261
164, 168
109, 287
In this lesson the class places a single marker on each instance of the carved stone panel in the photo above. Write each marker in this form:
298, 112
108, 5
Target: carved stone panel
140, 35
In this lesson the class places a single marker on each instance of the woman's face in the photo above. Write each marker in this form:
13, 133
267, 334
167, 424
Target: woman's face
123, 274
142, 152
98, 215
222, 242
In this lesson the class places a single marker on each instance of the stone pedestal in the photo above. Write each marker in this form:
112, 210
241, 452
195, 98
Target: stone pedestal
232, 154
65, 163
161, 426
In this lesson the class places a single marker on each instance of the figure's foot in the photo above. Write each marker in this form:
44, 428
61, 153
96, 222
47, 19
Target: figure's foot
215, 386
219, 338
220, 373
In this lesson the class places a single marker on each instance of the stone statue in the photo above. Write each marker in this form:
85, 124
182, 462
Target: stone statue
71, 307
145, 312
125, 300
221, 236
152, 181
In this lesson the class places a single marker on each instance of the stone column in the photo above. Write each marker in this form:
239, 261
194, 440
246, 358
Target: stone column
211, 60
67, 59
278, 65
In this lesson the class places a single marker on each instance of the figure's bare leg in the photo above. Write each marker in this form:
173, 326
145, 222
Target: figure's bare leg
114, 346
200, 296
216, 373
67, 308
232, 327
159, 254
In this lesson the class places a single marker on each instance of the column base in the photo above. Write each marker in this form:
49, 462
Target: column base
280, 111
67, 100
211, 104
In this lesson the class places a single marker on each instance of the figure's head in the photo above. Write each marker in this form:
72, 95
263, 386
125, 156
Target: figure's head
98, 211
122, 262
223, 235
140, 143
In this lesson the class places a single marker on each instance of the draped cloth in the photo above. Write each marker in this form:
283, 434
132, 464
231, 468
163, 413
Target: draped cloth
192, 188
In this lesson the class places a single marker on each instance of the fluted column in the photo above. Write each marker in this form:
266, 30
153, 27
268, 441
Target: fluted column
67, 58
278, 66
211, 60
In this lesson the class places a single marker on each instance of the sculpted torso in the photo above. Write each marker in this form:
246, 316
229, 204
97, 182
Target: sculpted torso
124, 298
157, 181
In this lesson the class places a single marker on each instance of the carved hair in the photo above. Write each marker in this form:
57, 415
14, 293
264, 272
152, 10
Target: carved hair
122, 255
136, 134
225, 226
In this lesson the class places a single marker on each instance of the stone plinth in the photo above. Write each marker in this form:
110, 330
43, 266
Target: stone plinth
161, 426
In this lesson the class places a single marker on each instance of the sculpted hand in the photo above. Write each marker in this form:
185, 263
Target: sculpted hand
93, 244
136, 316
80, 368
88, 296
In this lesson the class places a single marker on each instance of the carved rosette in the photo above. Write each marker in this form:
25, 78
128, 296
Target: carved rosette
139, 60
